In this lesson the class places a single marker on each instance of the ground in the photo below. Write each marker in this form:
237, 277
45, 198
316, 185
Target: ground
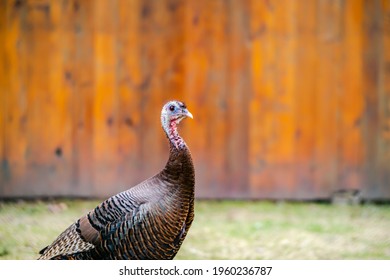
224, 229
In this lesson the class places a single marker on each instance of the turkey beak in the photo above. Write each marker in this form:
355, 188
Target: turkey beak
188, 114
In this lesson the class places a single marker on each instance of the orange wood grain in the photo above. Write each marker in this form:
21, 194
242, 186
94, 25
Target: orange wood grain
290, 98
385, 72
209, 45
306, 67
263, 79
238, 82
17, 112
376, 94
5, 43
286, 99
105, 102
352, 99
385, 100
329, 77
83, 76
131, 80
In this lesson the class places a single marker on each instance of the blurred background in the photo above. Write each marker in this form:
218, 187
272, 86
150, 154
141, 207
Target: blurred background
291, 99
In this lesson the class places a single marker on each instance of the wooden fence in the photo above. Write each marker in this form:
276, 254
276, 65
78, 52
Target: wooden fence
291, 99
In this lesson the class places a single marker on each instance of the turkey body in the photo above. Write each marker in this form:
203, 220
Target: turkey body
147, 221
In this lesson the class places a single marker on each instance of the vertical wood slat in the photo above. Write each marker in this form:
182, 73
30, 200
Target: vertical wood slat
206, 70
307, 63
131, 82
4, 88
330, 30
105, 103
37, 31
12, 149
272, 118
376, 71
385, 98
258, 27
371, 56
61, 93
153, 30
285, 98
237, 83
351, 157
290, 98
198, 60
82, 76
261, 129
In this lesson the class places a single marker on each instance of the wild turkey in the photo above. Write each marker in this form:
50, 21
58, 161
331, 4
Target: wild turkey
147, 221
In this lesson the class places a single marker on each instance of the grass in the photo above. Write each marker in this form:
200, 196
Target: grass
224, 230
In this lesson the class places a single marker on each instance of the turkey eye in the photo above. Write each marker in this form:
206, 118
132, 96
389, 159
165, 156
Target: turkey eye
171, 108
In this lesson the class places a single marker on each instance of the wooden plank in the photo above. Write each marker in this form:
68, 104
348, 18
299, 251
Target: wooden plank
205, 88
307, 67
173, 42
272, 130
82, 75
328, 91
238, 117
371, 66
217, 96
284, 101
260, 130
45, 123
131, 82
105, 102
59, 173
65, 85
196, 86
44, 133
195, 65
15, 115
385, 101
351, 155
4, 92
151, 29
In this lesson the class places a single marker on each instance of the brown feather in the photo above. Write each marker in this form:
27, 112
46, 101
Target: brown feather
87, 232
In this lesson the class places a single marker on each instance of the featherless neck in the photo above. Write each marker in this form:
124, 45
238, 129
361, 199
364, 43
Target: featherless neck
173, 135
